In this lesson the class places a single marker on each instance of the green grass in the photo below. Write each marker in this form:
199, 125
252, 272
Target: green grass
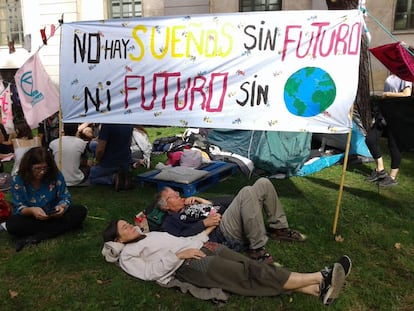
69, 273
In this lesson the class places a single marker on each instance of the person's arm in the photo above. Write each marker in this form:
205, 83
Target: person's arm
209, 230
21, 202
194, 200
175, 226
100, 149
154, 268
8, 142
405, 93
82, 126
2, 138
19, 196
191, 253
63, 196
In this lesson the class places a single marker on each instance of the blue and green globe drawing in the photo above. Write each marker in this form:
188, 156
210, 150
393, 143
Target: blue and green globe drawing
309, 92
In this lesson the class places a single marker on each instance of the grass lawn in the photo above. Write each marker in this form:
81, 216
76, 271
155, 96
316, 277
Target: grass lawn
69, 272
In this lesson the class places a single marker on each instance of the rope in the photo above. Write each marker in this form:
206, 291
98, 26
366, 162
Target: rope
387, 31
381, 26
60, 22
371, 74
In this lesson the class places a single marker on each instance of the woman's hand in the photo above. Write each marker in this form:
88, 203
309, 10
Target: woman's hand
191, 253
60, 210
212, 220
36, 212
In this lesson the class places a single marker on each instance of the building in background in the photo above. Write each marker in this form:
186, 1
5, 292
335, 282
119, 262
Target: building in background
22, 20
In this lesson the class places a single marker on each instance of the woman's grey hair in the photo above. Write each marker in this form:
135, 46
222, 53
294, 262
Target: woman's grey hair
160, 202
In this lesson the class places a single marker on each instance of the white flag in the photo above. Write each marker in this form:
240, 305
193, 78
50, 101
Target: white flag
38, 95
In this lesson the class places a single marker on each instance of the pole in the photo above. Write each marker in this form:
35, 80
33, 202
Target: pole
344, 166
59, 164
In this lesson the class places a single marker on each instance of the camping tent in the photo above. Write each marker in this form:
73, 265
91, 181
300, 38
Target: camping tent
288, 153
274, 152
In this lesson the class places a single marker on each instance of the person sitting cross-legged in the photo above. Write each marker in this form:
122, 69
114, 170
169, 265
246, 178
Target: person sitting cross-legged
43, 207
71, 150
113, 157
239, 226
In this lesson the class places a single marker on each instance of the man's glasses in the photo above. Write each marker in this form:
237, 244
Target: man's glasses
175, 194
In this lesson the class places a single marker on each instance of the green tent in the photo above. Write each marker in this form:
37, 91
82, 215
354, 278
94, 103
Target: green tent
273, 152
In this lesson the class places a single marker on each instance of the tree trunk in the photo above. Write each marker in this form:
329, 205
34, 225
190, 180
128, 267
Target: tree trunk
362, 106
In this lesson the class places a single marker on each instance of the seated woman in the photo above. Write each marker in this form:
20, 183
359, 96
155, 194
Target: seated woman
159, 256
42, 203
23, 141
140, 147
6, 145
6, 148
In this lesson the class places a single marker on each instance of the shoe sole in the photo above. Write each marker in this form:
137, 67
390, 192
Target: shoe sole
375, 179
387, 185
337, 283
345, 257
287, 239
276, 237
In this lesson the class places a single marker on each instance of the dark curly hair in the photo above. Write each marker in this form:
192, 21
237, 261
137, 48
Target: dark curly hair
35, 156
23, 130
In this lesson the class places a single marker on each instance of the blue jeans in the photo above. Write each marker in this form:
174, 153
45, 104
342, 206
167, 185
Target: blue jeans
104, 175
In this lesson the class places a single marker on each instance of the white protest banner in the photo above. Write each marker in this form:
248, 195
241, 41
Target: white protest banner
38, 95
6, 109
281, 71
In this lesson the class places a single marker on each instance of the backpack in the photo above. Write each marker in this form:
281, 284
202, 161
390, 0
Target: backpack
141, 140
191, 158
169, 144
5, 208
50, 129
164, 144
199, 141
155, 217
5, 182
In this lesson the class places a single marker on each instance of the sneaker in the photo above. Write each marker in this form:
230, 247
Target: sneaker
287, 234
346, 263
377, 175
261, 254
332, 283
387, 182
334, 280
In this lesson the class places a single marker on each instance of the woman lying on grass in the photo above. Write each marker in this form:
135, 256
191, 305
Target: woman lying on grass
159, 256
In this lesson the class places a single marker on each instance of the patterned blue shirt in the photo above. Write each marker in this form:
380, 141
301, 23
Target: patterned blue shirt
48, 196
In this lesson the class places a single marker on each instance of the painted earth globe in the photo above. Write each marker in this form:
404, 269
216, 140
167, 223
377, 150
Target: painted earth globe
309, 92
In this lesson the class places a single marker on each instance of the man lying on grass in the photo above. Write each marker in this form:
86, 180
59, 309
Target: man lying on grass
159, 256
240, 226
